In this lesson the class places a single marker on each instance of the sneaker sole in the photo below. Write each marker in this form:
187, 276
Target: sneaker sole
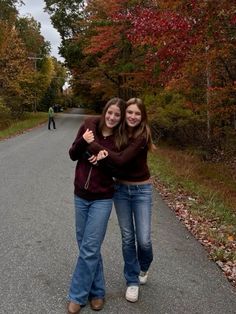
142, 282
131, 300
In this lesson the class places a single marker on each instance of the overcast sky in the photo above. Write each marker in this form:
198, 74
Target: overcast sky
35, 9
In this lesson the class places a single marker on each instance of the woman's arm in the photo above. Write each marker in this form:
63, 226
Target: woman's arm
92, 123
125, 155
101, 161
80, 144
114, 158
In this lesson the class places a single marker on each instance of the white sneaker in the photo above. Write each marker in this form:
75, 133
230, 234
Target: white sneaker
143, 277
132, 293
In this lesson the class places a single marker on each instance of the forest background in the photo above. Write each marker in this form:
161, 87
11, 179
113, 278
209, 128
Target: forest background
179, 56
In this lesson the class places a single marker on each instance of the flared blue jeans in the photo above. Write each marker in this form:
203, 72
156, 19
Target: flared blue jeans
91, 218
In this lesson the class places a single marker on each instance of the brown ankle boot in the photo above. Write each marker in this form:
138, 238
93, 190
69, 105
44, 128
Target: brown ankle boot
96, 304
73, 308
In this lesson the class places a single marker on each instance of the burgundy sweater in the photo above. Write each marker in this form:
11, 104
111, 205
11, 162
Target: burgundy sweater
91, 182
129, 164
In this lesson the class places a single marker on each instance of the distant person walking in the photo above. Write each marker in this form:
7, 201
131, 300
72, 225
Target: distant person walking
51, 115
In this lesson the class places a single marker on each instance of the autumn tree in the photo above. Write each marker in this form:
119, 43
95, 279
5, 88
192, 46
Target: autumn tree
26, 70
153, 47
95, 48
189, 44
15, 70
116, 62
210, 65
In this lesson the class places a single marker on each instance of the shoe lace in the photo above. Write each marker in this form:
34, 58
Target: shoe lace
133, 289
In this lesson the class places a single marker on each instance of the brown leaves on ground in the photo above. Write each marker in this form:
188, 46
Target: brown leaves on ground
220, 245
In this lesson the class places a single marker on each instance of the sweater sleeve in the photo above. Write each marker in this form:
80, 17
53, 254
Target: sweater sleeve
91, 123
123, 157
79, 145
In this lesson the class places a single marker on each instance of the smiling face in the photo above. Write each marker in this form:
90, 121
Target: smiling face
133, 116
112, 116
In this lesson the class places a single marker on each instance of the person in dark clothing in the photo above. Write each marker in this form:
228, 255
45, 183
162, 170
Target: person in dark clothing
133, 196
93, 193
51, 115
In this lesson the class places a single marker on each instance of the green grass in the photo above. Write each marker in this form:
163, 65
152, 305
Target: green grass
29, 121
179, 172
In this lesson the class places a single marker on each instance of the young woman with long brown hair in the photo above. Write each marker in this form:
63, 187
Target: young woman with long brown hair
93, 193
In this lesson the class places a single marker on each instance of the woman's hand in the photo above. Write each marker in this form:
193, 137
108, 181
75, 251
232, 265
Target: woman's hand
93, 159
88, 136
102, 154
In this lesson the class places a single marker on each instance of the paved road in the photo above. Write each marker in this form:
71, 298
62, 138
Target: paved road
38, 247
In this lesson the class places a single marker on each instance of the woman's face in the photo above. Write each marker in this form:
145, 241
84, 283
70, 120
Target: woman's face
112, 116
133, 116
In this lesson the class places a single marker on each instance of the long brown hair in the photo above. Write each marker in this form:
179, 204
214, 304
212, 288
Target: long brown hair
117, 129
142, 129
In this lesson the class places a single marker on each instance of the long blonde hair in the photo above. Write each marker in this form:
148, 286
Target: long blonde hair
142, 129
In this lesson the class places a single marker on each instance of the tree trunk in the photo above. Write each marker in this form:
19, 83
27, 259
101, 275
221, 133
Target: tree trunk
208, 83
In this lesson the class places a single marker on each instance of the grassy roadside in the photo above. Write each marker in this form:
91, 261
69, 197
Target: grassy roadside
203, 196
29, 121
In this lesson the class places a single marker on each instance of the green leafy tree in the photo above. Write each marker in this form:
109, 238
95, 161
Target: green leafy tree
30, 32
66, 16
8, 10
54, 92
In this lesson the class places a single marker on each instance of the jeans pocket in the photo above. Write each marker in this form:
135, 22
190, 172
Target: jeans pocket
145, 188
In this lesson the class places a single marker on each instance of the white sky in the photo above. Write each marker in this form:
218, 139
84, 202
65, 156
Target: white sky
35, 9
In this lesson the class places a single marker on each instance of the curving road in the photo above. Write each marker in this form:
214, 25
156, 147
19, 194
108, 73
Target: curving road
38, 247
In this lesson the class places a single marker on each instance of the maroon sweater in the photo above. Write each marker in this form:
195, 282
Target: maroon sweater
91, 182
129, 164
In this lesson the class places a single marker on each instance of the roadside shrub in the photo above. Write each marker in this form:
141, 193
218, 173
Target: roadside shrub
172, 119
5, 120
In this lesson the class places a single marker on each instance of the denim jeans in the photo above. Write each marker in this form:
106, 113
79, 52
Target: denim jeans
91, 219
133, 205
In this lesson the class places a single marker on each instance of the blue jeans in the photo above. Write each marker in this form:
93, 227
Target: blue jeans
133, 205
91, 219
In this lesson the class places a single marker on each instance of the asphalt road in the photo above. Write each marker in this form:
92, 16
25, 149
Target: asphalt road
38, 248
